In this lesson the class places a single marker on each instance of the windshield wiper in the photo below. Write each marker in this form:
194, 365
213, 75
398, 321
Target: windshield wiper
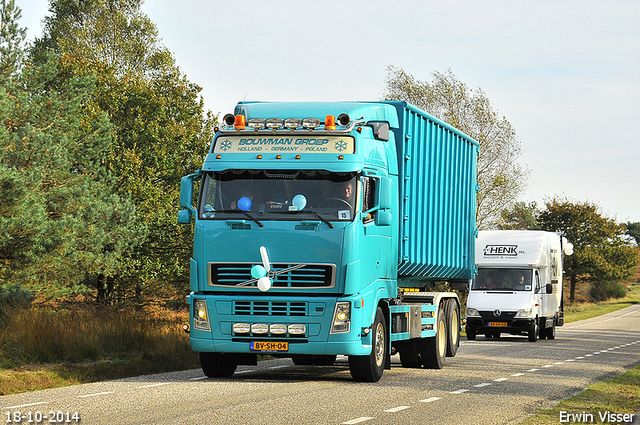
242, 212
315, 214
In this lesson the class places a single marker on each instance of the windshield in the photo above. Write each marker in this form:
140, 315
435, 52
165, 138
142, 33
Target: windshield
278, 195
503, 279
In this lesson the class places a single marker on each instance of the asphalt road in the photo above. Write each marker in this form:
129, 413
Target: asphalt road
498, 381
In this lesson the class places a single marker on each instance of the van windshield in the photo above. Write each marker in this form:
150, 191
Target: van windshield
498, 279
278, 195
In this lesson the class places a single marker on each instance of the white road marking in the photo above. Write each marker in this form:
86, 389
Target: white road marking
517, 374
198, 378
26, 405
357, 420
458, 391
484, 384
96, 394
397, 409
533, 370
430, 399
500, 379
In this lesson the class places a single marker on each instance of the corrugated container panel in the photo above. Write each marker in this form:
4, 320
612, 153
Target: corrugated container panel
437, 166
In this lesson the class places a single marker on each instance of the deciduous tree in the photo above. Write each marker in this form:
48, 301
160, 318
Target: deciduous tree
600, 251
500, 177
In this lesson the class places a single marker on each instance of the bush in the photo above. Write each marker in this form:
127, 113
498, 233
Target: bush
602, 291
12, 299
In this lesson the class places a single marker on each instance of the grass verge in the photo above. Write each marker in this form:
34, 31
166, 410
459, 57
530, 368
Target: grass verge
618, 396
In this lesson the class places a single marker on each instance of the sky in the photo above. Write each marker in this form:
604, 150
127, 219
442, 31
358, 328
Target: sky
565, 74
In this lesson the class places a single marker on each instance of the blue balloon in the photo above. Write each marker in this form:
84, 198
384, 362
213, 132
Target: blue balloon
299, 201
258, 271
244, 204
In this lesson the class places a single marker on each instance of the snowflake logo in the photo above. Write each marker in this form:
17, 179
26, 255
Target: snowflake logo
341, 146
225, 145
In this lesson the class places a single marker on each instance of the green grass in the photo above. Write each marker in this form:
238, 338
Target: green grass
619, 395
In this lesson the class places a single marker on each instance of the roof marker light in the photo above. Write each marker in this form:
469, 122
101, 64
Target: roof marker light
239, 123
218, 156
292, 123
259, 157
274, 122
297, 156
255, 123
278, 156
340, 156
310, 123
330, 122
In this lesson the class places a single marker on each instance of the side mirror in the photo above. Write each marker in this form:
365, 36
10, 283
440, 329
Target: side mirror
549, 288
383, 218
186, 192
184, 217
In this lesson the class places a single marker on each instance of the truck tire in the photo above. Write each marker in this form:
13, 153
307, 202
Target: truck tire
369, 368
533, 333
218, 365
453, 326
434, 350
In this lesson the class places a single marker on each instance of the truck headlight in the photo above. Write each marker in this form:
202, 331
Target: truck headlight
341, 318
472, 312
524, 313
200, 315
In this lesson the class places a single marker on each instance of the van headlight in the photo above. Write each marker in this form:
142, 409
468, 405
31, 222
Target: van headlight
472, 312
341, 318
524, 313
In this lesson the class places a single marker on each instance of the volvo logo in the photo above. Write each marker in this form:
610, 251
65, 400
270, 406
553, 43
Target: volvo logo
497, 313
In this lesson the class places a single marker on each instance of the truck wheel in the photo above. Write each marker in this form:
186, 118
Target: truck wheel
369, 368
434, 350
409, 356
217, 365
534, 331
453, 326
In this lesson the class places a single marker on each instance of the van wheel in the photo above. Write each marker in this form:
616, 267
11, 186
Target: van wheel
369, 368
434, 350
533, 332
551, 332
453, 326
218, 365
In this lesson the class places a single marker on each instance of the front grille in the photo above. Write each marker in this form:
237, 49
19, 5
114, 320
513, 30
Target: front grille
270, 308
504, 315
308, 276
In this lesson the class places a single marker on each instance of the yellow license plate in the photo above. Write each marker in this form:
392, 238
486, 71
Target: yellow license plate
498, 324
269, 346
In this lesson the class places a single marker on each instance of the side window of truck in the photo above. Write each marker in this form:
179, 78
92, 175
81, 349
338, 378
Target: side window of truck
369, 206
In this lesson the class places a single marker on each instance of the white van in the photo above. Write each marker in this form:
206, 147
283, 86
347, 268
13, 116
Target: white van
518, 288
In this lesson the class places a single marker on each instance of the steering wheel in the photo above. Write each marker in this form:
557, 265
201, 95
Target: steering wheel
325, 201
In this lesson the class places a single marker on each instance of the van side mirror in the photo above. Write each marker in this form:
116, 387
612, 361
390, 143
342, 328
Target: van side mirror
549, 288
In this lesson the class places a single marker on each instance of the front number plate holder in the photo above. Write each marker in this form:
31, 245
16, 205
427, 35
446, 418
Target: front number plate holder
497, 324
269, 346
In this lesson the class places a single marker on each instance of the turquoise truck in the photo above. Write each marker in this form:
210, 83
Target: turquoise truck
321, 229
